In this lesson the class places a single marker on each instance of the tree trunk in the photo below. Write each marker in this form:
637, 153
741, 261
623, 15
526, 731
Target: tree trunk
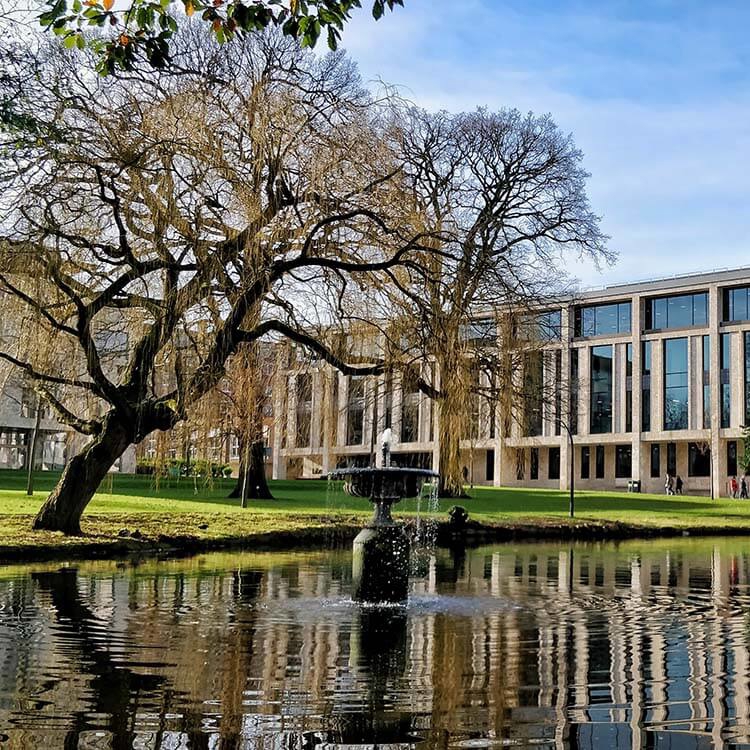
32, 447
450, 469
252, 474
81, 478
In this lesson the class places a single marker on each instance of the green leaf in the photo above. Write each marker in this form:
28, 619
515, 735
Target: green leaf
69, 41
377, 9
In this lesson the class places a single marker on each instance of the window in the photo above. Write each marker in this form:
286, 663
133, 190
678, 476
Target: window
520, 464
534, 464
676, 384
628, 388
601, 389
410, 404
573, 392
646, 386
533, 382
558, 391
735, 305
602, 320
489, 465
479, 331
726, 371
544, 326
13, 449
585, 461
600, 462
706, 382
304, 409
355, 412
553, 463
699, 460
676, 312
623, 461
655, 460
672, 459
732, 458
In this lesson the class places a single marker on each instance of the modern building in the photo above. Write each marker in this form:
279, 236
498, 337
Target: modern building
649, 379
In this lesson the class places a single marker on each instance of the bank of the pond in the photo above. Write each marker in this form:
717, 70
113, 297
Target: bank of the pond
138, 516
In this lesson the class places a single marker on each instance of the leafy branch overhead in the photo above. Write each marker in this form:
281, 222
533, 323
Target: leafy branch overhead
144, 28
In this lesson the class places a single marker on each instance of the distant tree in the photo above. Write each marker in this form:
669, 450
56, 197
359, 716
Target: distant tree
145, 28
507, 192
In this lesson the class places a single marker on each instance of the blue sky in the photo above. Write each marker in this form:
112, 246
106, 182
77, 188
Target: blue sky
655, 92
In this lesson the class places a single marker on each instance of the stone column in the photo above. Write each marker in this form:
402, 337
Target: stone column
636, 326
714, 315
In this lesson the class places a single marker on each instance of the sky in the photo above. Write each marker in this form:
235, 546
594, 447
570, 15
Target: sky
655, 92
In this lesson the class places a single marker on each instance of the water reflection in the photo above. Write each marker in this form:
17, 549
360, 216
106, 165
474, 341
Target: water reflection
632, 646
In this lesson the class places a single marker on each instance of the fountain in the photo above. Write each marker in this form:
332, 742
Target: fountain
380, 568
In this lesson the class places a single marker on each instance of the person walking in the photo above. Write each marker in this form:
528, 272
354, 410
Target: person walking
669, 485
678, 485
733, 488
743, 488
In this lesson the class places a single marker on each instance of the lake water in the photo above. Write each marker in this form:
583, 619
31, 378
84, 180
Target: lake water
637, 645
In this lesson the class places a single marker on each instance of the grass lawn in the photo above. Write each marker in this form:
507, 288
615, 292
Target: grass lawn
188, 508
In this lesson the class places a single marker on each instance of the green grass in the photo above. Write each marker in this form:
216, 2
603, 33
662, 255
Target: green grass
202, 510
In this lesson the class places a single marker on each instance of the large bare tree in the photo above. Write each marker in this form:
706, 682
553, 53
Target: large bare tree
188, 211
507, 193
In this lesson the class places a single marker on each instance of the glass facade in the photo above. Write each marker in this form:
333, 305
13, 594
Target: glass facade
646, 386
355, 411
676, 312
534, 464
736, 304
732, 458
672, 459
602, 320
558, 391
706, 382
726, 371
601, 389
676, 384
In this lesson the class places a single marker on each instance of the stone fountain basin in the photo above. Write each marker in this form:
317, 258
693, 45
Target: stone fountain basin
393, 483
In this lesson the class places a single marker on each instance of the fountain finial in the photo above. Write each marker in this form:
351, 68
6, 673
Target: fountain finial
385, 440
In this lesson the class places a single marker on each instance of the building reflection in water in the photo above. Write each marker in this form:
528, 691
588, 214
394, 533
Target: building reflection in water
636, 646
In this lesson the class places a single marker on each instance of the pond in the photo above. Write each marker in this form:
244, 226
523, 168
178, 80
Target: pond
641, 644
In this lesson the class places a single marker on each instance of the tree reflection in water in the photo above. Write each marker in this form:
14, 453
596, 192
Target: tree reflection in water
635, 645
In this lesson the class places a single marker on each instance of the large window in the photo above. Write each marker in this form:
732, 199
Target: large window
602, 320
699, 460
646, 386
557, 359
676, 312
601, 389
706, 382
736, 304
480, 331
553, 463
13, 446
726, 371
623, 461
676, 384
534, 463
410, 404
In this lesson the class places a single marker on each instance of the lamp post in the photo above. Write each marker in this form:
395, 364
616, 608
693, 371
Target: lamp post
571, 448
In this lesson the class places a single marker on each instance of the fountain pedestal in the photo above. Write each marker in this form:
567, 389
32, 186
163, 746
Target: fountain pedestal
380, 562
